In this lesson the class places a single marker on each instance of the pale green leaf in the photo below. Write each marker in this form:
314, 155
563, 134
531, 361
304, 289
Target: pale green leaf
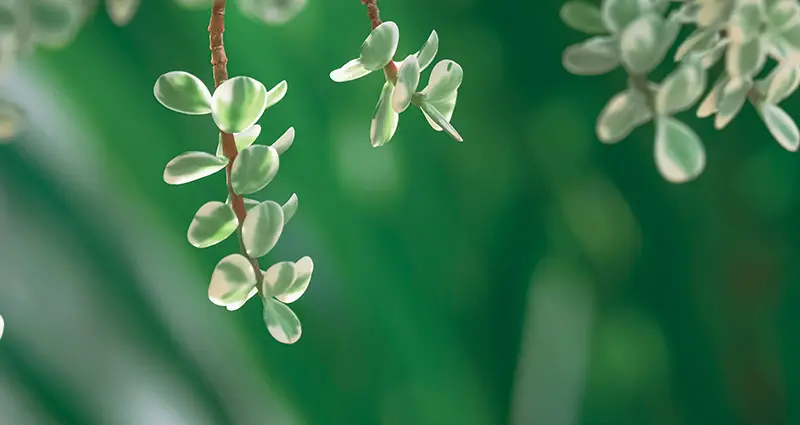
284, 142
445, 79
621, 115
276, 94
407, 82
289, 209
445, 107
428, 51
212, 224
243, 139
700, 40
121, 11
183, 92
679, 154
304, 268
352, 70
681, 89
262, 228
731, 99
273, 12
617, 14
594, 56
583, 17
782, 13
281, 322
642, 43
238, 103
232, 280
278, 278
781, 125
54, 23
191, 166
248, 203
2, 326
239, 304
782, 82
384, 119
709, 105
379, 48
745, 21
745, 59
254, 168
434, 115
713, 12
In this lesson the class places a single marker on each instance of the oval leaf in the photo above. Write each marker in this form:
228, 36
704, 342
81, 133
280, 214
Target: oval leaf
289, 208
681, 89
238, 103
262, 228
379, 48
277, 93
278, 278
428, 51
617, 14
679, 154
781, 125
284, 142
212, 224
243, 139
232, 280
281, 322
384, 119
183, 92
445, 79
583, 17
303, 270
191, 166
731, 99
239, 304
745, 59
595, 56
641, 44
352, 70
621, 115
254, 168
782, 82
407, 82
121, 11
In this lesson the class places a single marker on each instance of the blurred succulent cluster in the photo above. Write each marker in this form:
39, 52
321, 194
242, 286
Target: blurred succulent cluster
235, 106
274, 12
731, 41
437, 101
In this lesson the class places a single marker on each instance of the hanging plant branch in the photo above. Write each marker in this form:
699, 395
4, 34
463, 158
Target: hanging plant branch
437, 101
236, 106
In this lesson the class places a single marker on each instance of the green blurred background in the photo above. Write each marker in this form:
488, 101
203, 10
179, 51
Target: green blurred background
529, 276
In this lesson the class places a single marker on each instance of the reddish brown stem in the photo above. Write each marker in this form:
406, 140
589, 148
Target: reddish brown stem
219, 62
374, 15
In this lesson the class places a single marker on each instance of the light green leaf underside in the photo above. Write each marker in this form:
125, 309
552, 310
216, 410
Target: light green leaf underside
380, 46
384, 119
284, 142
276, 94
407, 82
352, 70
191, 166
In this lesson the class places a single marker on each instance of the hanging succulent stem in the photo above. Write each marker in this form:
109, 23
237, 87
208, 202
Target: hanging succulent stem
375, 18
219, 62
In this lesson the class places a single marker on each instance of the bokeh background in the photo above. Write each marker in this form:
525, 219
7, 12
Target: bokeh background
529, 276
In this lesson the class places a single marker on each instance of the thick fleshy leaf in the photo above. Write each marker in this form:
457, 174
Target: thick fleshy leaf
289, 209
781, 13
445, 79
278, 278
284, 142
212, 224
384, 119
232, 280
121, 11
239, 304
183, 92
731, 99
745, 59
281, 322
254, 168
681, 89
445, 107
379, 48
243, 139
679, 154
191, 166
262, 228
583, 17
617, 14
713, 12
277, 93
434, 115
238, 103
594, 56
644, 43
781, 125
304, 268
698, 41
621, 115
781, 83
714, 54
428, 51
745, 21
352, 70
407, 82
2, 326
709, 105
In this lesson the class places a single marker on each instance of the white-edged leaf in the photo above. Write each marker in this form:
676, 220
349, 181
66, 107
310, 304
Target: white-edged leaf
190, 166
428, 51
239, 304
232, 280
284, 142
745, 21
782, 82
681, 89
731, 99
276, 94
583, 17
278, 278
183, 92
304, 268
407, 82
212, 224
679, 153
641, 44
289, 209
621, 115
709, 105
238, 103
243, 139
445, 79
254, 168
713, 12
262, 228
781, 125
617, 14
384, 119
595, 56
745, 59
435, 116
352, 70
700, 40
281, 322
445, 107
781, 13
379, 48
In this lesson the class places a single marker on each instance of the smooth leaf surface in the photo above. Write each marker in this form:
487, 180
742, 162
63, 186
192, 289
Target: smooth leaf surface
584, 17
641, 44
731, 99
379, 48
304, 268
277, 93
445, 106
239, 304
289, 209
621, 115
238, 103
262, 228
745, 59
407, 82
781, 83
617, 14
445, 79
232, 280
254, 168
679, 154
191, 166
284, 142
428, 51
278, 278
352, 70
441, 121
183, 92
243, 139
384, 119
781, 125
212, 224
595, 56
281, 322
681, 89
